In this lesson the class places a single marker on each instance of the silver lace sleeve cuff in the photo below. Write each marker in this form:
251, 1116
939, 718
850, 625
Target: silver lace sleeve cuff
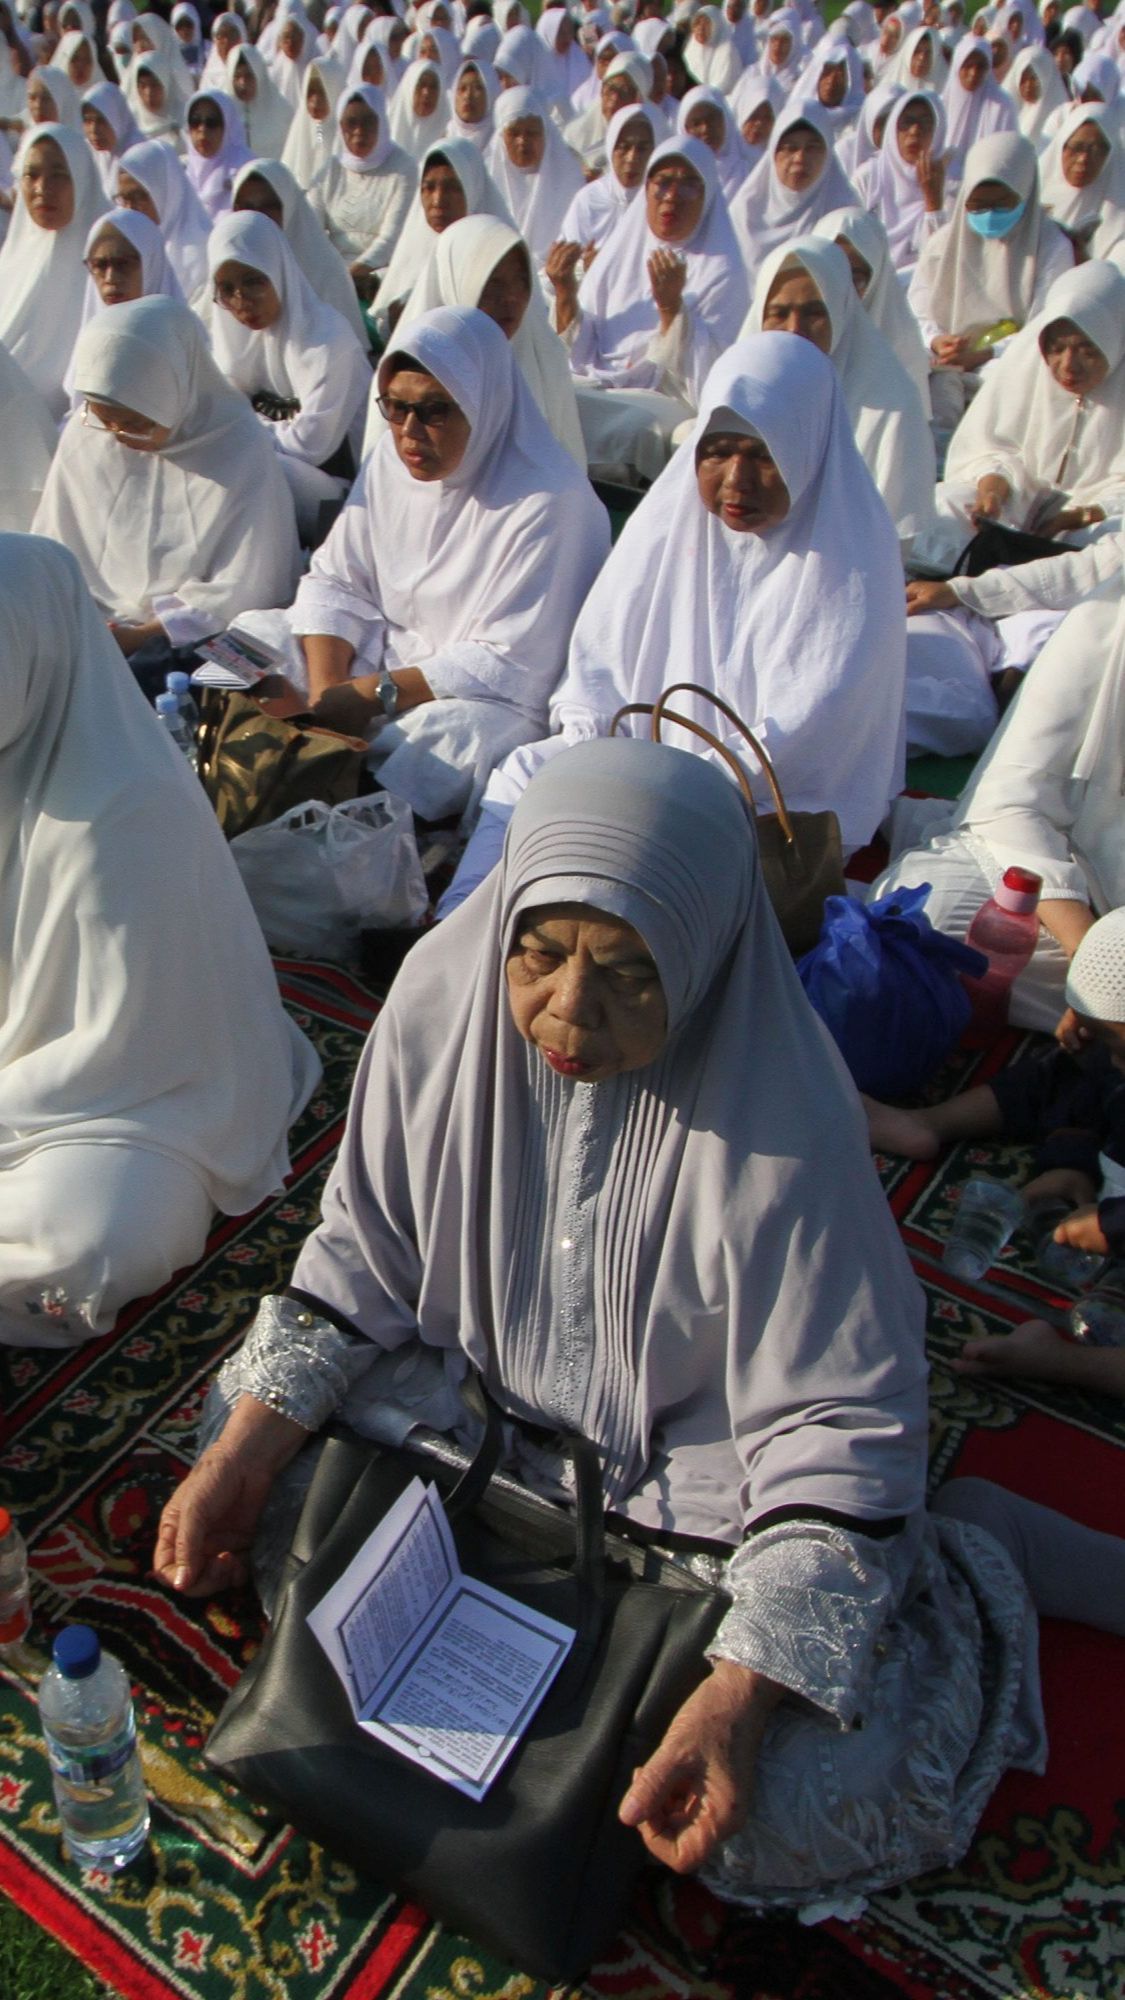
296, 1363
810, 1601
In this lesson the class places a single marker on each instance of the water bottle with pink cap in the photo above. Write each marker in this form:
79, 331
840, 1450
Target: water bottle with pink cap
1005, 929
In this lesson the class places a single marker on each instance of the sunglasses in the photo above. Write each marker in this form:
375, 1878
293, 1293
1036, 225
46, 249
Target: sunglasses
432, 415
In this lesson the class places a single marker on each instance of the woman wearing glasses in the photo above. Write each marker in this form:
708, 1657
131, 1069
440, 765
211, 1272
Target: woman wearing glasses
295, 357
126, 260
166, 488
42, 275
436, 615
664, 298
216, 149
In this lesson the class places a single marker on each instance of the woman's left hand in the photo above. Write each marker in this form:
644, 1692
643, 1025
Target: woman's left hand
695, 1790
667, 275
131, 638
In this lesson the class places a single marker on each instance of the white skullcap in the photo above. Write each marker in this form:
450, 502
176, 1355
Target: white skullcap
1095, 983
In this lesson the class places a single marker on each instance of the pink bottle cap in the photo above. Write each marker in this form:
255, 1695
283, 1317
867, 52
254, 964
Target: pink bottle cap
1018, 890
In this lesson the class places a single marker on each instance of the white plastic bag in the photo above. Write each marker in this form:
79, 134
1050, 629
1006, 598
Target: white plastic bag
320, 874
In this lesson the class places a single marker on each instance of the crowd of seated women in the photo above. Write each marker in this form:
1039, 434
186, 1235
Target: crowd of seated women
348, 326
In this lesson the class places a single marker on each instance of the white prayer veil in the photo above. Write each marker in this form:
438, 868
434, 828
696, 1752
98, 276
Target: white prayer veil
765, 213
884, 301
184, 221
975, 282
42, 275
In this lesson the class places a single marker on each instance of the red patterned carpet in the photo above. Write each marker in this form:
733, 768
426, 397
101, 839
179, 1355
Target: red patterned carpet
229, 1905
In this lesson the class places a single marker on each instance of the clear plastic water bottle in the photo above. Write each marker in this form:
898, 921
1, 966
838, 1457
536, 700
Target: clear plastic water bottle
1006, 929
1061, 1264
179, 684
168, 709
1098, 1320
86, 1711
15, 1591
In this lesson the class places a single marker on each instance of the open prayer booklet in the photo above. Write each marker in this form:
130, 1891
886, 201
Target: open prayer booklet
235, 660
443, 1669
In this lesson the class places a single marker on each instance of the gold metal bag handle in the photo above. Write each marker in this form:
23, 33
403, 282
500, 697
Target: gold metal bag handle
697, 729
660, 713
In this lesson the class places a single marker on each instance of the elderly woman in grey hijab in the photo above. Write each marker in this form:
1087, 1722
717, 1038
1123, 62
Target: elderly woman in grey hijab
584, 1156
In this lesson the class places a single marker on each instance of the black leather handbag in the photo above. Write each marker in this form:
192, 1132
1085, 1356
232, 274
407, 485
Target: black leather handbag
541, 1871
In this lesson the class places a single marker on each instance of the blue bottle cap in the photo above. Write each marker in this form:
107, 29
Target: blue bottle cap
177, 682
167, 704
77, 1652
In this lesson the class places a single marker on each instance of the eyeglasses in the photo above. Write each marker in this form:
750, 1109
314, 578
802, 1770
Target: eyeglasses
432, 415
246, 289
205, 121
111, 267
138, 430
677, 187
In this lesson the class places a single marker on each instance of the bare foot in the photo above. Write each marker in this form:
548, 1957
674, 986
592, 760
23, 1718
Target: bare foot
893, 1131
1035, 1350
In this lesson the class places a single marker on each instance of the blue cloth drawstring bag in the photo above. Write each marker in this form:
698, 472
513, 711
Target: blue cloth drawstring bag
887, 986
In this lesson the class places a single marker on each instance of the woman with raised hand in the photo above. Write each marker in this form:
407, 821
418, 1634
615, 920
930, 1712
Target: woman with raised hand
905, 183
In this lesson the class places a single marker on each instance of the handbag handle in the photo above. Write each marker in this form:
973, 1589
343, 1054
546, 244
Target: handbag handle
660, 712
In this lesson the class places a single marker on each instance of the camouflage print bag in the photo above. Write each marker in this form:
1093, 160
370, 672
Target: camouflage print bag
255, 765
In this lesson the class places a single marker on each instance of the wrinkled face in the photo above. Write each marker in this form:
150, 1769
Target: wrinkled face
1084, 155
316, 100
915, 130
247, 295
757, 128
470, 99
46, 186
442, 196
80, 68
799, 158
633, 151
427, 90
430, 432
616, 91
584, 990
674, 199
1078, 366
507, 294
359, 129
832, 86
130, 194
706, 122
525, 142
245, 82
990, 194
858, 266
116, 268
41, 107
129, 427
738, 480
151, 91
205, 128
373, 71
794, 305
99, 132
1030, 88
257, 194
291, 41
973, 71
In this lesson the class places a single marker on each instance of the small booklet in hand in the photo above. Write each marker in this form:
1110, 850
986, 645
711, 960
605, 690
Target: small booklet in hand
234, 660
443, 1669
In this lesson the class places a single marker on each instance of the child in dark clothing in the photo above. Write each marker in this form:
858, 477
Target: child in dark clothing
1072, 1103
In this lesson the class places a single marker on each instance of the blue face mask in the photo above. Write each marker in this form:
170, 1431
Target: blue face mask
992, 222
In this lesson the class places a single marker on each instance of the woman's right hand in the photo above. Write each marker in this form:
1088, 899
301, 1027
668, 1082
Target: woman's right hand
561, 266
921, 596
993, 492
208, 1527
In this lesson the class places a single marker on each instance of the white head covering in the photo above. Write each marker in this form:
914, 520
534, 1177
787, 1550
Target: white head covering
207, 519
765, 213
448, 49
288, 71
158, 278
112, 105
1099, 73
537, 200
267, 119
417, 135
1023, 426
598, 207
213, 179
898, 197
30, 435
42, 275
164, 42
804, 632
858, 146
973, 114
617, 295
752, 90
67, 103
380, 32
481, 38
192, 51
835, 52
157, 1024
898, 70
1039, 62
976, 282
376, 159
716, 61
733, 157
573, 68
890, 422
1095, 980
783, 21
521, 54
413, 248
1074, 208
727, 1371
213, 75
459, 266
481, 133
68, 47
310, 141
319, 259
168, 121
184, 221
585, 135
884, 301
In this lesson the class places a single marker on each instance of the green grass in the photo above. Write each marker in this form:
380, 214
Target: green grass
34, 1967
